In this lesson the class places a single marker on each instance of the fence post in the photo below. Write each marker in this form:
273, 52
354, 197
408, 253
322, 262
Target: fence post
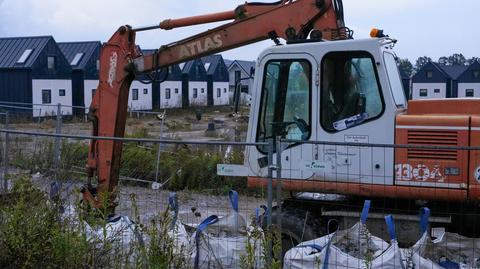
271, 145
5, 155
278, 169
58, 130
157, 169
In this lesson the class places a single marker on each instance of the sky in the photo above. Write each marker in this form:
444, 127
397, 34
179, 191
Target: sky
433, 28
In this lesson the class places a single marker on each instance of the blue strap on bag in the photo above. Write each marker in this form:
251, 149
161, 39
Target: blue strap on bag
366, 209
173, 205
424, 219
391, 227
200, 228
233, 195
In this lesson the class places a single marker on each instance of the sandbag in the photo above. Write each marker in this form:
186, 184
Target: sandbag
352, 248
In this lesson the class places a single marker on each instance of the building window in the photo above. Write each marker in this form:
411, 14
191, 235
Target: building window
77, 58
225, 90
167, 93
176, 90
23, 58
93, 92
134, 94
170, 69
436, 90
476, 73
51, 62
285, 98
237, 77
351, 90
195, 92
61, 92
46, 96
219, 92
469, 93
145, 91
203, 90
423, 92
429, 74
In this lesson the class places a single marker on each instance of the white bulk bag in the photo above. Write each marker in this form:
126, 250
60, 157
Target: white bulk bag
221, 242
181, 239
449, 250
353, 248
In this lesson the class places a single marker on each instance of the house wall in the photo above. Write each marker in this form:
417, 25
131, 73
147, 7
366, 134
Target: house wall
175, 100
144, 101
462, 87
430, 87
231, 78
16, 86
201, 99
224, 94
54, 85
89, 86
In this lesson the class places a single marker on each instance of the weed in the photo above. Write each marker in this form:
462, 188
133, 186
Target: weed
33, 234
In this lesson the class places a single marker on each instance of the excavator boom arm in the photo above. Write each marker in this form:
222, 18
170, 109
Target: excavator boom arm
121, 60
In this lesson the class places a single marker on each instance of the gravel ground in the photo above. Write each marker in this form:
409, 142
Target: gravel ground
153, 202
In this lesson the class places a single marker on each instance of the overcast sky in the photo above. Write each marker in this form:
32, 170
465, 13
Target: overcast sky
423, 27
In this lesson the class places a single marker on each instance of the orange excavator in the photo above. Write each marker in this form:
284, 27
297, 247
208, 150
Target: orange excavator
321, 86
121, 61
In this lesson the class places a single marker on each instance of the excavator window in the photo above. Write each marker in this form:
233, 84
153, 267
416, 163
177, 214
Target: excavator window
286, 101
350, 90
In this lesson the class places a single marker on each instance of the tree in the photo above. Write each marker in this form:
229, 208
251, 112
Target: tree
443, 60
472, 60
457, 59
406, 66
421, 61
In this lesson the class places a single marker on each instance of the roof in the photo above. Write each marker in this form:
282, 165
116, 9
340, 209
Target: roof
187, 67
71, 49
452, 71
212, 61
148, 51
12, 48
245, 65
472, 74
227, 62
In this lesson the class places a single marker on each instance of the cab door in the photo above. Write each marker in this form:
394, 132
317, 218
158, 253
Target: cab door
283, 107
353, 110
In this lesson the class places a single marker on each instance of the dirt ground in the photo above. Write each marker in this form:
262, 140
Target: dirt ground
179, 124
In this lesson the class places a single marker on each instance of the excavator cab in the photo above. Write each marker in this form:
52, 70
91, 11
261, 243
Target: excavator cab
340, 92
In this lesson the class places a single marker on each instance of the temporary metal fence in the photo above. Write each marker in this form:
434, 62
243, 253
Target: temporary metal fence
190, 168
36, 111
146, 177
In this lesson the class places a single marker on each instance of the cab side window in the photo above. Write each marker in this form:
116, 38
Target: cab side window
350, 90
286, 101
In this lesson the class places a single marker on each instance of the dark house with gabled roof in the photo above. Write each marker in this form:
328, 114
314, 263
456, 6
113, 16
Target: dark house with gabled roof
436, 81
469, 81
34, 70
217, 80
405, 82
194, 84
84, 60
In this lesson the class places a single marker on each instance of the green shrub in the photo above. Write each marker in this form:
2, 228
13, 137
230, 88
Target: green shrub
33, 234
